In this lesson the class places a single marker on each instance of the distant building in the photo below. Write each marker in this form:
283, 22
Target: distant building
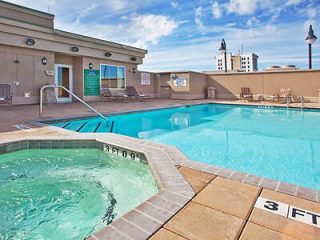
245, 62
283, 68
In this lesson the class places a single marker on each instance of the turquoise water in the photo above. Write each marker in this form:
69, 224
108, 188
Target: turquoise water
277, 143
67, 193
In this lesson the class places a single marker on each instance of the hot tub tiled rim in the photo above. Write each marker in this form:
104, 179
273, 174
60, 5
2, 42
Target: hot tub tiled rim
174, 192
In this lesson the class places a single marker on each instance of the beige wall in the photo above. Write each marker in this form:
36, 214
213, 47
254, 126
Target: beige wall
163, 86
195, 89
198, 85
302, 82
29, 72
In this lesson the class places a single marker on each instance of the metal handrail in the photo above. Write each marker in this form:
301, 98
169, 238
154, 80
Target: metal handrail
67, 90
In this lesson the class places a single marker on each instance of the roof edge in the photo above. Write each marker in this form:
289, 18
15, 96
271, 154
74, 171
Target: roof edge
26, 8
97, 40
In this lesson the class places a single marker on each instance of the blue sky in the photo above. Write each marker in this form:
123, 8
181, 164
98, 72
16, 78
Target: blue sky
185, 35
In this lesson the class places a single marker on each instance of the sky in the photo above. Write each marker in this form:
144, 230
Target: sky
186, 35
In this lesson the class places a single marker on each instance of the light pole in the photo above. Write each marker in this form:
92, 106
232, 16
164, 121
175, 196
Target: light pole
223, 50
311, 38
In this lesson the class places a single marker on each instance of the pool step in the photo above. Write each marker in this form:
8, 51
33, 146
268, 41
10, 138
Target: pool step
89, 126
112, 125
66, 125
79, 129
98, 125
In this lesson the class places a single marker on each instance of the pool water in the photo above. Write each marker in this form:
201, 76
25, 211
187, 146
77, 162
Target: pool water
67, 193
277, 143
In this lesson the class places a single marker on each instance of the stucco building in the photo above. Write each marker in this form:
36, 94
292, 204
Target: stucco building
33, 54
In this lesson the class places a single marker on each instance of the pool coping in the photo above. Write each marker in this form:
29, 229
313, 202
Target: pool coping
40, 122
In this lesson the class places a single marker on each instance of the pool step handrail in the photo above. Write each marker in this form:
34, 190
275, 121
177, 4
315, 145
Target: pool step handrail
72, 94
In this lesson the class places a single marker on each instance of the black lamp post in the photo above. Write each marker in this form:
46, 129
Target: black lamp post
311, 38
223, 50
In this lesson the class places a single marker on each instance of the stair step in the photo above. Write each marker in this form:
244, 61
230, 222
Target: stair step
97, 127
79, 129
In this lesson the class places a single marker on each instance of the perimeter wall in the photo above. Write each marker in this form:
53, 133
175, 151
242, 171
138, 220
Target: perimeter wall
302, 82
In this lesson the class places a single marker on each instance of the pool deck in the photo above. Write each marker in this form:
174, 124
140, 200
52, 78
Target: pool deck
11, 116
222, 206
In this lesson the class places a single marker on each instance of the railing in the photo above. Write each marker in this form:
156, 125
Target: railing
72, 94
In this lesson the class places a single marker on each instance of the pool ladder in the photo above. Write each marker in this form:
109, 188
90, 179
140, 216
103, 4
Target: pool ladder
301, 100
76, 97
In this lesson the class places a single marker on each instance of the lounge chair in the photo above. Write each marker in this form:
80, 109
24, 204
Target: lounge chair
133, 94
106, 94
5, 94
283, 95
245, 94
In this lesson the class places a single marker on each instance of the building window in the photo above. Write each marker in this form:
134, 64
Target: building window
112, 76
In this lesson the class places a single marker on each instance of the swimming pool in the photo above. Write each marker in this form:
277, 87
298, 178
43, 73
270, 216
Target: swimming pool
67, 193
277, 143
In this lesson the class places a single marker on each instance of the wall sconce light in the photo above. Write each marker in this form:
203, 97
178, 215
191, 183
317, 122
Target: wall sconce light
44, 61
134, 70
108, 54
90, 65
30, 42
75, 49
133, 59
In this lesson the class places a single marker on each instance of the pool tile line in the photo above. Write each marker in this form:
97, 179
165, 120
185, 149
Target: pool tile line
278, 186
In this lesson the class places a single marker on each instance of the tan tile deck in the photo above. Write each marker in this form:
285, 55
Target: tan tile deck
164, 234
229, 197
281, 224
252, 231
197, 180
198, 222
224, 209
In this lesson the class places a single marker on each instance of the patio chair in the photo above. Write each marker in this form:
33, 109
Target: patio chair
106, 94
283, 95
133, 94
5, 94
245, 94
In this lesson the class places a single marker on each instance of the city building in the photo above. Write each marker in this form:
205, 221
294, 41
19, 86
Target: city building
245, 62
